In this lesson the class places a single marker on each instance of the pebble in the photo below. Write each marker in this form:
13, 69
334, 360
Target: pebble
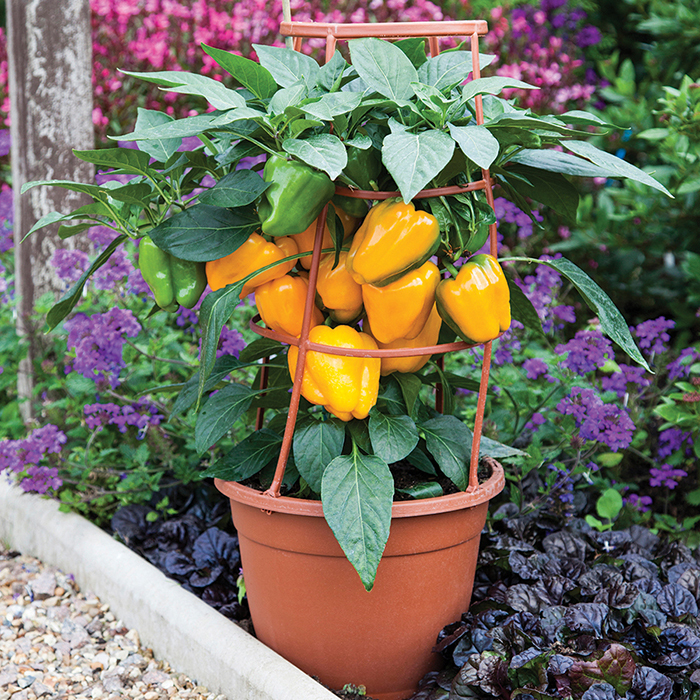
57, 641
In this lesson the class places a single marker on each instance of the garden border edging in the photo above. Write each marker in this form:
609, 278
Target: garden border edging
193, 637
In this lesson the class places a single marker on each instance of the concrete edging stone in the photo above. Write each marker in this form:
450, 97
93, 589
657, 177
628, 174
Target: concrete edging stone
178, 626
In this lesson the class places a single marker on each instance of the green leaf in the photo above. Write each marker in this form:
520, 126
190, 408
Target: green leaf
237, 189
492, 86
219, 413
316, 444
558, 162
449, 442
247, 458
288, 97
609, 504
393, 437
215, 92
330, 73
187, 397
522, 309
136, 193
287, 66
551, 189
260, 348
63, 307
616, 167
446, 70
477, 143
421, 461
497, 450
202, 233
410, 388
127, 160
98, 192
322, 151
428, 489
250, 74
611, 320
357, 493
414, 48
413, 160
216, 309
160, 149
329, 106
384, 67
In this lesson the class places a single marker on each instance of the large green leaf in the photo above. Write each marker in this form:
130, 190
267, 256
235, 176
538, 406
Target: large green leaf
202, 233
492, 86
449, 442
384, 67
215, 92
316, 444
449, 68
333, 104
219, 413
558, 162
414, 48
323, 151
236, 189
410, 388
250, 74
477, 143
393, 437
616, 167
612, 322
549, 188
216, 309
127, 160
287, 66
497, 450
522, 309
160, 149
357, 493
287, 97
413, 160
331, 73
247, 458
63, 307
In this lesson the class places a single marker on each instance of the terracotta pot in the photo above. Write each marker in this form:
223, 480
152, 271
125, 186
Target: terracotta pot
308, 604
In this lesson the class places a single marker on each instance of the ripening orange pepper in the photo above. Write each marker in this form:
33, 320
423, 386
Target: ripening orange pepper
476, 304
254, 254
401, 309
392, 240
305, 239
340, 295
346, 386
281, 304
427, 337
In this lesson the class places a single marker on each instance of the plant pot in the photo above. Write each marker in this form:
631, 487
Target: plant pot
308, 604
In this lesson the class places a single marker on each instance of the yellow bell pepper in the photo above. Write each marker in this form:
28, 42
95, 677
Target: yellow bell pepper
427, 337
476, 304
340, 294
346, 386
281, 304
305, 239
393, 239
401, 308
255, 253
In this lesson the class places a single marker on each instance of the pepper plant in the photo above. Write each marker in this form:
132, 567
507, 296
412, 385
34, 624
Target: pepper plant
392, 119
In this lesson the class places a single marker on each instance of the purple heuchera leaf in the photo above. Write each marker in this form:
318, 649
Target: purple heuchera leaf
586, 617
649, 684
178, 564
679, 646
214, 546
615, 666
600, 691
677, 601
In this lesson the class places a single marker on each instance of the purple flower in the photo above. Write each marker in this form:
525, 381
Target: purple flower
680, 367
586, 352
98, 341
652, 334
640, 503
25, 457
141, 415
231, 342
673, 440
70, 263
666, 476
535, 367
619, 381
598, 421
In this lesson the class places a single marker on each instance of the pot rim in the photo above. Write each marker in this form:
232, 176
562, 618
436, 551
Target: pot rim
400, 509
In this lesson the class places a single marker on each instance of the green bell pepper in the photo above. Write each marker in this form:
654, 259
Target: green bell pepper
174, 282
295, 199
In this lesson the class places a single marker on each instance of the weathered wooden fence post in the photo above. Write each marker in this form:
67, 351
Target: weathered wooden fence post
50, 75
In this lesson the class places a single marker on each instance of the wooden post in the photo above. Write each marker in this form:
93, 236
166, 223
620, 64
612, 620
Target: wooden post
50, 76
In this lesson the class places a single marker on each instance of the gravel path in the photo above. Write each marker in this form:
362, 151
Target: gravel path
57, 641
